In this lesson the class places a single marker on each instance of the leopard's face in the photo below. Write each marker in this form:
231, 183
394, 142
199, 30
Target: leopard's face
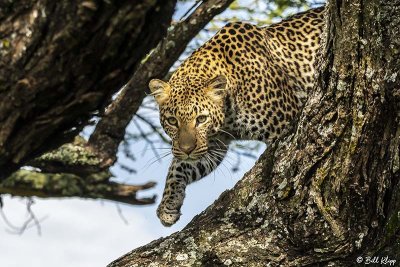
190, 114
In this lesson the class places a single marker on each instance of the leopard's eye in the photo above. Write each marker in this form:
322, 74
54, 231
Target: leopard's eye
172, 121
201, 119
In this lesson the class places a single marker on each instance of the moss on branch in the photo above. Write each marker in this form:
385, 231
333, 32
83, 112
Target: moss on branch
72, 170
94, 186
75, 157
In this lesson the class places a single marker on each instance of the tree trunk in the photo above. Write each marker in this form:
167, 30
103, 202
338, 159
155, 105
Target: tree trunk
60, 61
328, 192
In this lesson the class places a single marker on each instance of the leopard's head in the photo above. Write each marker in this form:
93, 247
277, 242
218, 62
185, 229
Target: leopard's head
191, 111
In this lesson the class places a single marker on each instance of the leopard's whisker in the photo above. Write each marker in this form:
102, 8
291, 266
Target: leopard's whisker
223, 164
219, 140
164, 155
228, 133
223, 153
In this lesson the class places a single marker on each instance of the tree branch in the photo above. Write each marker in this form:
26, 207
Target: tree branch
72, 170
75, 158
95, 186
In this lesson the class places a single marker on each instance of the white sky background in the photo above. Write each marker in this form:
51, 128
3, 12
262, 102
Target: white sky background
86, 233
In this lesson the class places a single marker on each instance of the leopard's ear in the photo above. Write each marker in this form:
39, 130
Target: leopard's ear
216, 88
160, 90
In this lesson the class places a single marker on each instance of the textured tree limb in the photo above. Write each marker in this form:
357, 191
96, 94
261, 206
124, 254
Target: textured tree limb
110, 130
327, 192
73, 174
60, 62
95, 186
72, 170
75, 158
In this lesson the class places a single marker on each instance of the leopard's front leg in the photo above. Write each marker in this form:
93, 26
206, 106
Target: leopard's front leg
180, 174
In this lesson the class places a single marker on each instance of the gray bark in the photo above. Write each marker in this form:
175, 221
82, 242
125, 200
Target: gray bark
328, 191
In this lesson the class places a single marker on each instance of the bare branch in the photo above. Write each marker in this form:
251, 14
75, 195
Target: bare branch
157, 130
31, 221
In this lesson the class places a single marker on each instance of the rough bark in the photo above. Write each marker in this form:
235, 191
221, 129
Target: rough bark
60, 61
72, 171
25, 183
328, 192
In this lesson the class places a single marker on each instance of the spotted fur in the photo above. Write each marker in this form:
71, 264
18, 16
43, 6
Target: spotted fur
246, 82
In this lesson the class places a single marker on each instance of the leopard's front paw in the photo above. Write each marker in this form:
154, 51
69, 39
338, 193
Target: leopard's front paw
168, 217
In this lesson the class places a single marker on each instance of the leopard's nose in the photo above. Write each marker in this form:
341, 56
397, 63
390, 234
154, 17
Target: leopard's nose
187, 148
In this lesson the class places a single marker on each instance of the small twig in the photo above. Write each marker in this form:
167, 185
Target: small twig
156, 129
7, 221
127, 150
190, 9
19, 230
121, 215
150, 143
33, 216
126, 168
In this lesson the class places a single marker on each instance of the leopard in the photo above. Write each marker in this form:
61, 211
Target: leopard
247, 82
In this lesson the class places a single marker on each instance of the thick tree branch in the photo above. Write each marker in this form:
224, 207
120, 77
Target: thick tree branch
95, 186
72, 170
110, 130
74, 158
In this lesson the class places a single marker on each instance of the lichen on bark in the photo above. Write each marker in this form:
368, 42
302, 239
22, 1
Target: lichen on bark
93, 186
76, 157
